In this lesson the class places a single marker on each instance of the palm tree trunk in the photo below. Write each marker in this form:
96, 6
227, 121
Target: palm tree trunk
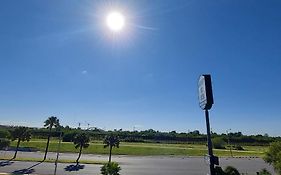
110, 150
77, 161
47, 146
18, 144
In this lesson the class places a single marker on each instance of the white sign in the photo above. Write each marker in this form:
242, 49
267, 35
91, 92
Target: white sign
202, 92
205, 92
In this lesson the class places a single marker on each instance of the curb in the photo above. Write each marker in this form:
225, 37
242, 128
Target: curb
11, 174
242, 157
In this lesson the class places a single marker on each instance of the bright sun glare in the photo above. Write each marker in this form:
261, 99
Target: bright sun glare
115, 21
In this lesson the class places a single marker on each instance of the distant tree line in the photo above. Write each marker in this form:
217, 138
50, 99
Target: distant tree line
149, 135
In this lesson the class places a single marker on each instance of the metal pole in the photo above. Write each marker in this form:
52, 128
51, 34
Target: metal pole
210, 146
230, 146
231, 150
58, 152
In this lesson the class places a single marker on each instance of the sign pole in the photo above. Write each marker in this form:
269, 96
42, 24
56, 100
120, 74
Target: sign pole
206, 101
209, 141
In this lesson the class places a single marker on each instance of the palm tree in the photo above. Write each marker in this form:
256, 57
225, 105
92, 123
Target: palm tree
50, 123
81, 141
111, 141
20, 133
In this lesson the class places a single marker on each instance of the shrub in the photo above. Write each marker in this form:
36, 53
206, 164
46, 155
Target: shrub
229, 170
132, 139
264, 172
69, 136
218, 143
111, 168
239, 147
4, 133
219, 170
4, 143
273, 156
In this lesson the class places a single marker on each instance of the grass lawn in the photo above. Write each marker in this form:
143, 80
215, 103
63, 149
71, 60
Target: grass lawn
145, 149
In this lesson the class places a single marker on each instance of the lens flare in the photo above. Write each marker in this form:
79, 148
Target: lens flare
115, 21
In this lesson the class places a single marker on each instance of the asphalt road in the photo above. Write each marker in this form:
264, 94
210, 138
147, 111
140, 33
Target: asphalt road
132, 165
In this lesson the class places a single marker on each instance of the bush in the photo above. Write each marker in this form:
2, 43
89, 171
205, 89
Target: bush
132, 139
273, 156
111, 168
219, 170
4, 133
239, 147
4, 143
264, 172
69, 136
229, 170
219, 143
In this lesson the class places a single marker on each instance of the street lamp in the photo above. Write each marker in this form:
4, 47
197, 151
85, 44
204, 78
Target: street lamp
230, 146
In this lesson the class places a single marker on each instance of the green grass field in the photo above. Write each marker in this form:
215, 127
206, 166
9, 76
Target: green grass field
146, 149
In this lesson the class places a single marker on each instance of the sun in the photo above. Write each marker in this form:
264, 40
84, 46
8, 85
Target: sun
115, 21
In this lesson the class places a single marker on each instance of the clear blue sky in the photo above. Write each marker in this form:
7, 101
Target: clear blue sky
58, 58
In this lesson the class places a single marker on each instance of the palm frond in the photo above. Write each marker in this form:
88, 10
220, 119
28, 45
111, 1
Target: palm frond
81, 139
111, 140
51, 121
77, 146
22, 133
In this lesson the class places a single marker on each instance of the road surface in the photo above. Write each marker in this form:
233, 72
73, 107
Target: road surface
131, 165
